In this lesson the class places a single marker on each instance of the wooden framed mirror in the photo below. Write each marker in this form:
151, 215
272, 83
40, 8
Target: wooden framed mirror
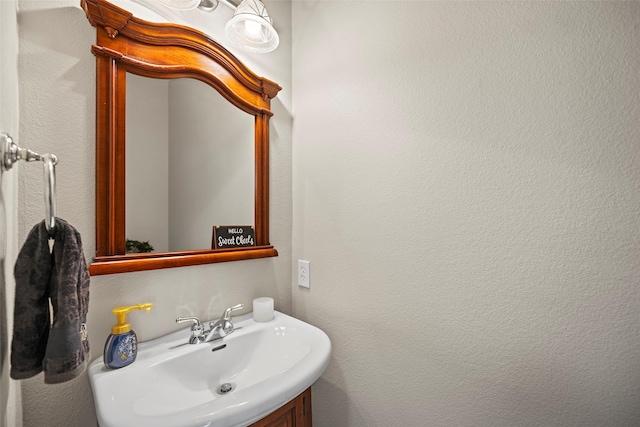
128, 46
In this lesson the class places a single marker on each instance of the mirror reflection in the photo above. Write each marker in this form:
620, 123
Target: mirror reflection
189, 163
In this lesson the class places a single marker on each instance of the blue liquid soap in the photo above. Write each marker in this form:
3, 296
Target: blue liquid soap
121, 347
120, 350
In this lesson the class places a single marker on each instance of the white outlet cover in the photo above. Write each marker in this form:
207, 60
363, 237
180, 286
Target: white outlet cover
304, 273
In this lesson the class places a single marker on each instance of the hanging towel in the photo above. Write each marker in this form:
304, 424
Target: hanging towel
31, 309
61, 348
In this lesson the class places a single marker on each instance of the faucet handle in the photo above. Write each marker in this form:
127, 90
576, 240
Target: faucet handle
194, 319
227, 312
197, 329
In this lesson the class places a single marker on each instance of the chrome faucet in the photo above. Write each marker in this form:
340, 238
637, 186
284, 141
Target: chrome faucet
218, 329
223, 326
197, 329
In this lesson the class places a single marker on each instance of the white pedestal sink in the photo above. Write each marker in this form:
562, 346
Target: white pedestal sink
175, 384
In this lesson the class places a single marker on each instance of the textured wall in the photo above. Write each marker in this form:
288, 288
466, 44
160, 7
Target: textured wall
466, 187
57, 114
10, 396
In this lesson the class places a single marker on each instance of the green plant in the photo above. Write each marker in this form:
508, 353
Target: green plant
135, 246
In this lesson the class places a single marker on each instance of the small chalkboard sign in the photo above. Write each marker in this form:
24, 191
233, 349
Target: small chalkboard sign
232, 236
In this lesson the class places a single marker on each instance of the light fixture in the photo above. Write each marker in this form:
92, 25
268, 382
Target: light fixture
181, 4
251, 27
208, 5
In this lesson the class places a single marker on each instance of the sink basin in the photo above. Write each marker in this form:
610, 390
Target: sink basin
259, 367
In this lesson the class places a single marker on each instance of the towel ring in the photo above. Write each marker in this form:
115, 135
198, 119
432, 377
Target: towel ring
50, 161
10, 153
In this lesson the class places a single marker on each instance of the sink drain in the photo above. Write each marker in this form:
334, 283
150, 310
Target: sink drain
226, 388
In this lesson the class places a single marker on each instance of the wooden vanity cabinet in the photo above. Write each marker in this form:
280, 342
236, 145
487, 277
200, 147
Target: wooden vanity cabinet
296, 413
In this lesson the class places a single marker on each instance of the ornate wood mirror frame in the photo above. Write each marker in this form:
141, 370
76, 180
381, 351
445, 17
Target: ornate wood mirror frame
128, 44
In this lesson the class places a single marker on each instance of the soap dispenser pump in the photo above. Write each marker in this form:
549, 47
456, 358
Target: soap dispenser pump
121, 347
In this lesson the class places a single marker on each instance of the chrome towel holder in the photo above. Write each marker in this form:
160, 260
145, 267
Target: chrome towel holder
10, 153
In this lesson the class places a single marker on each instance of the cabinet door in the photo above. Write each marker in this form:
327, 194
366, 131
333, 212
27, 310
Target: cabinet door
280, 418
296, 413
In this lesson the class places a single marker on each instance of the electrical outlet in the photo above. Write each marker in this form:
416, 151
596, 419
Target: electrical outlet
304, 274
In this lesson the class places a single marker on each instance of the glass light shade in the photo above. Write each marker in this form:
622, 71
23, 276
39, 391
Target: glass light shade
180, 4
251, 28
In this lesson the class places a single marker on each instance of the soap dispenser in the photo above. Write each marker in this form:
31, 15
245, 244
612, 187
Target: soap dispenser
121, 347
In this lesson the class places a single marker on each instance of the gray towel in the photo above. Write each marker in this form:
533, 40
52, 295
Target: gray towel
61, 348
31, 310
